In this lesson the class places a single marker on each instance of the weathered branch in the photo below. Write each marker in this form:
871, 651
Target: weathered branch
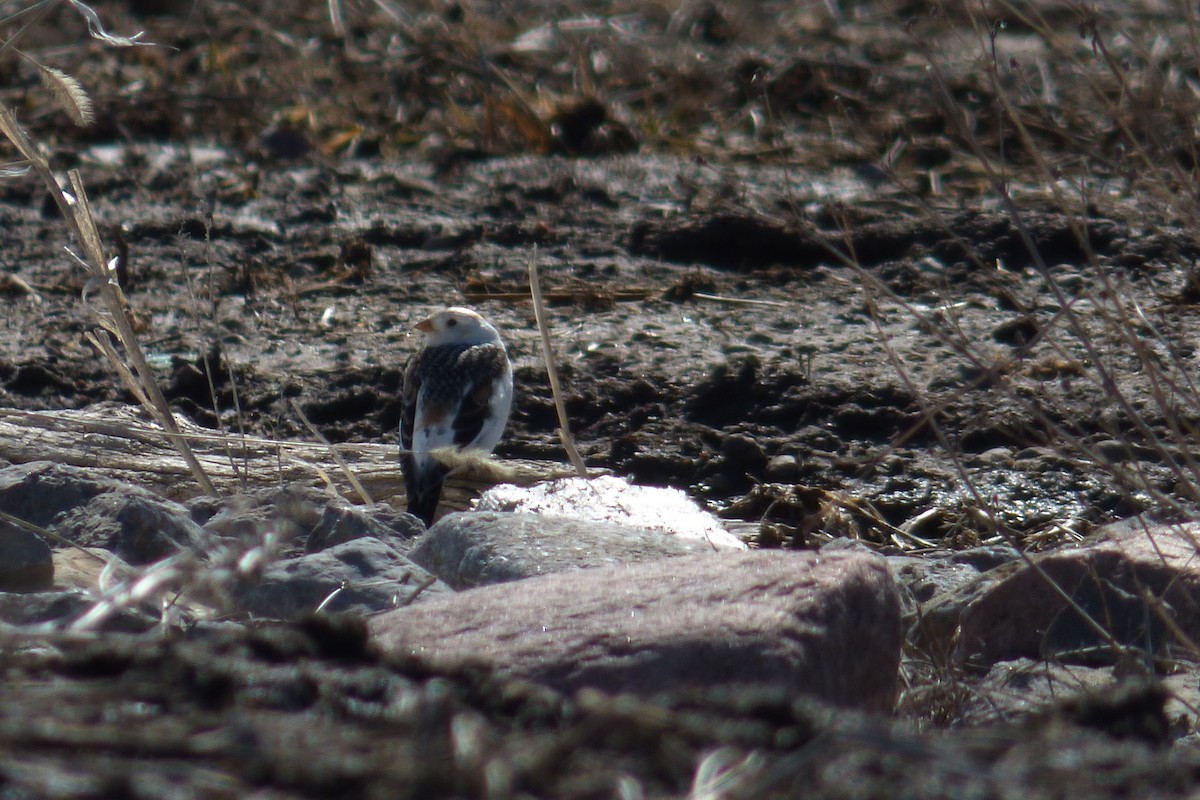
120, 442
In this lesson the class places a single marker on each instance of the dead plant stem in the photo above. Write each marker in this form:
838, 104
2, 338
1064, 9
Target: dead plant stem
78, 215
539, 312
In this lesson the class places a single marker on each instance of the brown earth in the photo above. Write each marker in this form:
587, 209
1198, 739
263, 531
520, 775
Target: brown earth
912, 273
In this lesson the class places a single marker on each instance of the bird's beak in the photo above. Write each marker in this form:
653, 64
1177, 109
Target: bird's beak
425, 325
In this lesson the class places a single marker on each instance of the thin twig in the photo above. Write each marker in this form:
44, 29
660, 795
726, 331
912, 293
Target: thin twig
539, 312
337, 457
740, 301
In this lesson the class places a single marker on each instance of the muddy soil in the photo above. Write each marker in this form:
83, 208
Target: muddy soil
879, 269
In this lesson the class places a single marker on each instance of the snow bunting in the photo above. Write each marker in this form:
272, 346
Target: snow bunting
457, 393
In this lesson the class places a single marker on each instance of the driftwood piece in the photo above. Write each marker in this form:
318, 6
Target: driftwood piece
121, 442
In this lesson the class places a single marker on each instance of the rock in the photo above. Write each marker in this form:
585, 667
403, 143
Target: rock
823, 625
743, 454
39, 491
366, 574
342, 522
131, 522
299, 519
934, 591
996, 456
783, 469
483, 547
280, 517
64, 607
1012, 690
26, 562
1029, 693
985, 557
1117, 452
1013, 612
612, 499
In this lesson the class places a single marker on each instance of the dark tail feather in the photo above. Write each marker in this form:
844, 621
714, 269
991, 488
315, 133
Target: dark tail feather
424, 490
425, 504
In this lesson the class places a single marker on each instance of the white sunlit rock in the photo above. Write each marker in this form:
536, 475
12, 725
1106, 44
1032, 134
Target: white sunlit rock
615, 500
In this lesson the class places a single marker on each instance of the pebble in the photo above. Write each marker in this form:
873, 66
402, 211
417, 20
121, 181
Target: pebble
26, 562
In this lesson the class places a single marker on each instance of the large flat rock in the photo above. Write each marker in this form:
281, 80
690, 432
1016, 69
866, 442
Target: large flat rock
482, 547
823, 625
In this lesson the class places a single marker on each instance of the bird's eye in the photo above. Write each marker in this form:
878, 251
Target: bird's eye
451, 323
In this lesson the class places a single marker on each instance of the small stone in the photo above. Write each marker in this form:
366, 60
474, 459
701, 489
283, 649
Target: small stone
345, 523
133, 523
743, 454
783, 469
26, 562
996, 456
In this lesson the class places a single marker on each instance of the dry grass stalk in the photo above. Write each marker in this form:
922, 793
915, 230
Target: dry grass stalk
335, 455
77, 212
539, 312
208, 367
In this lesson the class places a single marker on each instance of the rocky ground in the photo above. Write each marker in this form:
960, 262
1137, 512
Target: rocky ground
915, 275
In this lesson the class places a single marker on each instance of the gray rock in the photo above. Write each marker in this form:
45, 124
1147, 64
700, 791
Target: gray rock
1014, 611
366, 574
299, 519
131, 522
826, 625
744, 454
282, 516
342, 522
934, 591
39, 491
63, 608
483, 547
783, 469
1013, 690
985, 557
1027, 692
26, 562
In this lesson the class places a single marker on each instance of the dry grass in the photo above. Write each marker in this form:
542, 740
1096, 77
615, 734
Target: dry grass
1065, 131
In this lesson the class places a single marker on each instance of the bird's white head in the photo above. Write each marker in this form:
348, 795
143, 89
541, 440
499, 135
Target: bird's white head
457, 326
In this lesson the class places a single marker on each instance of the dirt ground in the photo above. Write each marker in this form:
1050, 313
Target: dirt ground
918, 274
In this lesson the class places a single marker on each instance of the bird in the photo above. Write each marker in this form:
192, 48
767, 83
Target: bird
458, 392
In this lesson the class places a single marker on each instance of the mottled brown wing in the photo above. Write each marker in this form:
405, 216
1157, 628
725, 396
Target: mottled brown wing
474, 411
484, 363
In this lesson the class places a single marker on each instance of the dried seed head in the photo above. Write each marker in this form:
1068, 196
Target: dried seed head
69, 94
